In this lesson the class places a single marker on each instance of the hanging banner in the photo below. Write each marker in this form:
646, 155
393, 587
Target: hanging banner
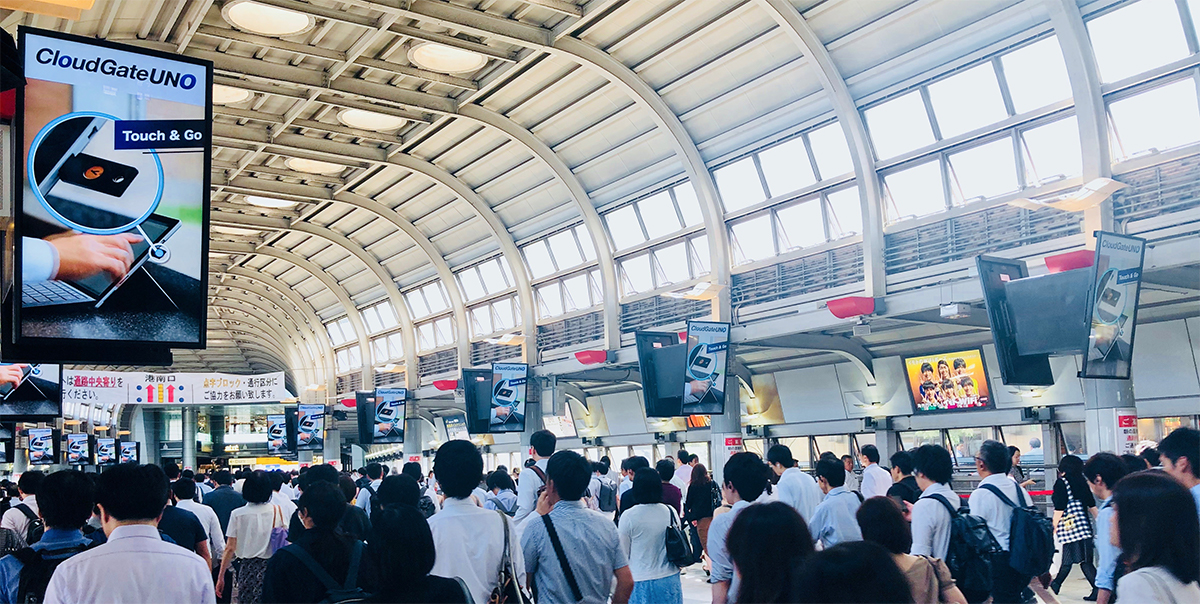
120, 387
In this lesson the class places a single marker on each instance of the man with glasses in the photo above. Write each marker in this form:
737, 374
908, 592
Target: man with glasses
992, 463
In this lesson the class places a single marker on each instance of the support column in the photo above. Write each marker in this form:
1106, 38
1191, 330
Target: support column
189, 437
20, 458
333, 447
533, 422
888, 443
216, 431
1110, 416
728, 425
413, 441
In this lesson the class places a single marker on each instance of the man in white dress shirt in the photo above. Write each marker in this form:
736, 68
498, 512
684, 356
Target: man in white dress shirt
375, 473
875, 480
135, 565
795, 488
933, 469
993, 462
541, 447
185, 491
15, 519
469, 540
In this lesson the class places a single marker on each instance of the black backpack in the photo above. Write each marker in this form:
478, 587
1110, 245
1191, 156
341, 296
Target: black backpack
607, 498
1030, 535
38, 567
425, 505
971, 549
35, 528
348, 591
375, 504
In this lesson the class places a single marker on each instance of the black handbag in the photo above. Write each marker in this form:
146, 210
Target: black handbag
679, 549
507, 590
697, 547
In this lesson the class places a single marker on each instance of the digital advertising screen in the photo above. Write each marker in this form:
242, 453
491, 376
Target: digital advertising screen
696, 422
563, 426
508, 397
30, 392
1112, 311
310, 427
107, 451
131, 452
112, 218
43, 447
456, 426
951, 381
388, 423
7, 443
79, 450
276, 434
704, 368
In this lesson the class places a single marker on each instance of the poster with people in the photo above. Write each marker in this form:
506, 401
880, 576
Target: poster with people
1112, 311
276, 434
952, 381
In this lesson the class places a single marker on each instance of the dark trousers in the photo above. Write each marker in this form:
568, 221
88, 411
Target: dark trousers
1007, 583
225, 596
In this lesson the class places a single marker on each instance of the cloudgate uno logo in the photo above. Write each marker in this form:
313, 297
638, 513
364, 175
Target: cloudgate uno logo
111, 67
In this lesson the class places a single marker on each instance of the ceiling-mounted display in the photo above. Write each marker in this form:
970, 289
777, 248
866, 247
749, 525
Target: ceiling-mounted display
30, 392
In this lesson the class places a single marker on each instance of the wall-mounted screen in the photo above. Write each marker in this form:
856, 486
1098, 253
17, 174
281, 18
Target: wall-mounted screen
507, 412
276, 434
107, 451
30, 392
381, 415
951, 381
704, 368
112, 219
79, 449
43, 447
310, 427
131, 452
1112, 312
7, 443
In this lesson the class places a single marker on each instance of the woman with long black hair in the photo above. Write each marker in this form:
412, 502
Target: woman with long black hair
1074, 509
1157, 529
768, 543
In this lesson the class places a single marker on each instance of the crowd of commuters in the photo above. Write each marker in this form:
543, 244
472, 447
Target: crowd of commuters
567, 531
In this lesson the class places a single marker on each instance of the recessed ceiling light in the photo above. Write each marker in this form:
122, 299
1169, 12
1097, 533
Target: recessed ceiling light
269, 202
228, 95
446, 59
369, 120
235, 231
312, 166
266, 20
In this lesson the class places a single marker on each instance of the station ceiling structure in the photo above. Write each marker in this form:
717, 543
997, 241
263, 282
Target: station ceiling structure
404, 187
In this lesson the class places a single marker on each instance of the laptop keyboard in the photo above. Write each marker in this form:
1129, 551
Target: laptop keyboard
45, 293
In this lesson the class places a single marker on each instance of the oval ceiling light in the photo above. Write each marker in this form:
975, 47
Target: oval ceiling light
266, 20
269, 202
369, 120
228, 95
313, 166
445, 59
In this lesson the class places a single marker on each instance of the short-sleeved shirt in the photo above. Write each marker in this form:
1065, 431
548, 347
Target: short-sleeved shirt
592, 548
183, 527
1060, 499
718, 552
251, 525
834, 520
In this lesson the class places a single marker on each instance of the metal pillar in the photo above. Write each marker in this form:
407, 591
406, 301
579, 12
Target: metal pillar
413, 434
216, 430
190, 417
333, 447
888, 443
20, 459
1110, 416
726, 427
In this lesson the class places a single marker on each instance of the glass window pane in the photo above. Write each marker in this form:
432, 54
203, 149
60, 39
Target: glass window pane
444, 330
506, 270
1036, 75
1162, 118
493, 276
967, 101
1052, 151
335, 333
565, 250
594, 287
416, 304
624, 228
343, 361
550, 300
576, 290
425, 337
658, 214
673, 262
787, 167
396, 346
637, 274
472, 286
379, 349
916, 191
348, 331
739, 185
506, 313
387, 315
538, 258
845, 213
753, 240
435, 297
371, 317
481, 318
1137, 37
685, 196
802, 224
585, 242
700, 257
355, 357
986, 171
899, 126
831, 151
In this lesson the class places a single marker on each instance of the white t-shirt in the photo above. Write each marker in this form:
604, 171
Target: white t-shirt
251, 525
643, 530
1157, 585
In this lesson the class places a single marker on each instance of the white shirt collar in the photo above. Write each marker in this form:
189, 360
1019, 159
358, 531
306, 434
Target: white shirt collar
134, 530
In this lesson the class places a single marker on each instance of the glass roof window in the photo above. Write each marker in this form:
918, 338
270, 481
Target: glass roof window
1051, 152
915, 191
537, 256
380, 317
388, 348
801, 225
899, 126
658, 215
624, 228
739, 184
1036, 75
986, 171
550, 302
845, 213
1137, 38
340, 331
636, 274
672, 262
753, 239
689, 206
831, 151
967, 101
348, 359
1158, 119
787, 167
676, 262
561, 251
427, 300
486, 278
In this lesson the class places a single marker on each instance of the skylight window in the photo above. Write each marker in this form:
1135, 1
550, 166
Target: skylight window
700, 258
565, 250
550, 300
787, 167
845, 213
624, 228
985, 171
1036, 75
739, 185
915, 191
1161, 118
899, 126
831, 151
638, 277
1051, 152
967, 101
1136, 38
753, 239
803, 224
537, 255
576, 292
689, 206
658, 214
471, 284
672, 261
495, 276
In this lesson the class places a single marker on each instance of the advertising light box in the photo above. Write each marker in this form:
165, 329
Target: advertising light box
310, 427
131, 452
43, 447
1112, 313
507, 412
30, 392
112, 216
276, 434
704, 368
78, 449
946, 382
456, 426
381, 415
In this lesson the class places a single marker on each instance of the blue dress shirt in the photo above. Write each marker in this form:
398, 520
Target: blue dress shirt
10, 567
835, 521
1106, 552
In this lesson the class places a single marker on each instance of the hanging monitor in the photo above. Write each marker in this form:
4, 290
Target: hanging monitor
44, 449
705, 368
30, 392
310, 427
455, 425
7, 443
277, 434
1112, 307
381, 415
508, 397
131, 452
660, 363
79, 449
948, 382
108, 451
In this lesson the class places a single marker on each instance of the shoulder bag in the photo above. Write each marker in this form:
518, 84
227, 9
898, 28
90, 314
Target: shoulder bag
562, 558
279, 532
679, 548
507, 590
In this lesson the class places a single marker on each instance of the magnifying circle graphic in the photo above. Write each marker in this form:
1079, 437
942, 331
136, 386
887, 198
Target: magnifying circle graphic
1107, 281
692, 354
37, 193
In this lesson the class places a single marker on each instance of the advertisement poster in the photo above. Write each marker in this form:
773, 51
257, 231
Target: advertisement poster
310, 427
508, 397
1113, 308
456, 427
951, 381
1127, 430
389, 415
41, 447
563, 426
113, 214
30, 392
704, 368
733, 445
131, 452
106, 451
121, 387
78, 453
276, 434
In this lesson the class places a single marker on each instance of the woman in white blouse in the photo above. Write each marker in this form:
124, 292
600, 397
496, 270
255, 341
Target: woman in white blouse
643, 532
1158, 531
249, 538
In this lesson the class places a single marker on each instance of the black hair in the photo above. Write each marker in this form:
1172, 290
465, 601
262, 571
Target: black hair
500, 480
412, 469
995, 457
647, 486
346, 484
635, 463
324, 504
1185, 443
568, 471
65, 499
130, 491
943, 362
401, 542
747, 474
881, 521
374, 471
187, 475
257, 487
322, 472
200, 477
543, 442
666, 469
959, 362
1133, 463
605, 459
385, 469
183, 489
847, 456
1107, 466
1013, 450
1150, 454
1070, 468
871, 452
781, 455
768, 543
458, 466
502, 468
172, 470
398, 489
1158, 525
926, 367
832, 471
855, 571
902, 460
29, 481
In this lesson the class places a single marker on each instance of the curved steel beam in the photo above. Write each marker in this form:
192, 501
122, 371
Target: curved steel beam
251, 324
248, 339
870, 194
253, 296
303, 363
